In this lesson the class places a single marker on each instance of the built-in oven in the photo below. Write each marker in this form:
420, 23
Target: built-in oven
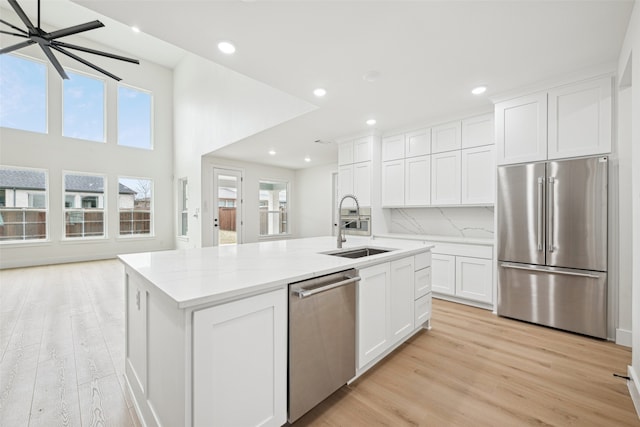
350, 224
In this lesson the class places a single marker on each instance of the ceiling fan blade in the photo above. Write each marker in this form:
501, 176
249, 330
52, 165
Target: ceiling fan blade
14, 34
14, 27
16, 46
85, 62
74, 30
95, 52
23, 16
54, 61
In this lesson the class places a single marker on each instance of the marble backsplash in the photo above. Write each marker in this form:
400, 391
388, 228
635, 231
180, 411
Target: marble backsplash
468, 222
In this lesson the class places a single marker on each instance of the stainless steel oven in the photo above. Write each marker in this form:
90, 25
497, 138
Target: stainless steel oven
350, 224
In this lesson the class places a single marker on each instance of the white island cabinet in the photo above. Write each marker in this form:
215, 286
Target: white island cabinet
206, 329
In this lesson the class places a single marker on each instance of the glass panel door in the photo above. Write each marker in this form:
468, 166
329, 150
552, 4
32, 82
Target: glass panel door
227, 207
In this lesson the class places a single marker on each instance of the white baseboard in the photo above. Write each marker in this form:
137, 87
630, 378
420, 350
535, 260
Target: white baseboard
624, 337
633, 385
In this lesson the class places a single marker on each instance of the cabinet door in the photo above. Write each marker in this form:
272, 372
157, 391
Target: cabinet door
393, 183
418, 143
136, 345
345, 153
443, 274
345, 184
250, 367
422, 310
474, 279
422, 283
478, 175
580, 119
401, 298
393, 148
417, 182
445, 178
478, 131
521, 129
446, 137
373, 313
362, 183
362, 149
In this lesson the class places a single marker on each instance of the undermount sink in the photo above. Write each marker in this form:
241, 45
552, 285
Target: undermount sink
358, 252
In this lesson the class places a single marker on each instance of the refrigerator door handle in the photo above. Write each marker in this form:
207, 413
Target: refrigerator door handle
546, 270
540, 201
551, 213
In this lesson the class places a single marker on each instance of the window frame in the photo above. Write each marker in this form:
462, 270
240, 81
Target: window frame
287, 211
46, 93
104, 106
183, 207
103, 209
46, 209
151, 116
151, 233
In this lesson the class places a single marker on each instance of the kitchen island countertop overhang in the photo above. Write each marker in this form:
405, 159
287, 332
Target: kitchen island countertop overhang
192, 277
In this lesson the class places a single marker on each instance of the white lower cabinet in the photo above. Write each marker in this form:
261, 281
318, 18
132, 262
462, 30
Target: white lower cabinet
464, 272
387, 305
250, 367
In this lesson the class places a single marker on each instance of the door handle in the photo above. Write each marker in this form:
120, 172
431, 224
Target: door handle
551, 213
304, 293
545, 270
540, 202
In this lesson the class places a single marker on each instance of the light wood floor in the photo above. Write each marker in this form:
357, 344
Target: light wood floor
62, 362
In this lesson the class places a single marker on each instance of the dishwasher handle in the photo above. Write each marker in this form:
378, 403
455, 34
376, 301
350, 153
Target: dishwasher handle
304, 293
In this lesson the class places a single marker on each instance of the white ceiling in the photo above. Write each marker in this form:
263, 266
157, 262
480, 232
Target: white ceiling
429, 55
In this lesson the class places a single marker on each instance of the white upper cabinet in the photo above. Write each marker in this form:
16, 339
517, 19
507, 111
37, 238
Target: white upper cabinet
393, 183
417, 183
580, 119
478, 175
521, 129
393, 147
354, 170
445, 178
362, 183
362, 149
418, 143
345, 153
478, 131
446, 137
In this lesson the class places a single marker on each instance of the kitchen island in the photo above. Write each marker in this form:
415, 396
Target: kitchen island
206, 329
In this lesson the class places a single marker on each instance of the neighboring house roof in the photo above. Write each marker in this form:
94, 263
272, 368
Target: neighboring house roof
22, 179
32, 180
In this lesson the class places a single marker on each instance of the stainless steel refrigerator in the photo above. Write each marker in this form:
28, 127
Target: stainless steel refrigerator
552, 244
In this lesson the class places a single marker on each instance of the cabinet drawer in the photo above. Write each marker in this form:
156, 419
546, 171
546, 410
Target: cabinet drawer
422, 282
422, 310
422, 260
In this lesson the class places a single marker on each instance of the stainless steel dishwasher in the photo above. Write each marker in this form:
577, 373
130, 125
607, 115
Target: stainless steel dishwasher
322, 338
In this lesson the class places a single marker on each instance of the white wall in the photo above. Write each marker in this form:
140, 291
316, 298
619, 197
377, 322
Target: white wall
214, 107
252, 173
630, 52
315, 200
56, 154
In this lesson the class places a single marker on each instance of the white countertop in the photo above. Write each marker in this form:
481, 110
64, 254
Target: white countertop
433, 238
192, 277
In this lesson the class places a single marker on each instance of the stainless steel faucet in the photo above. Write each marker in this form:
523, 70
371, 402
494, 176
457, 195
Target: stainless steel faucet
341, 237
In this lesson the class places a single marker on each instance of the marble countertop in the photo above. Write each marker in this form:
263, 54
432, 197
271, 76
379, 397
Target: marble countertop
192, 277
434, 238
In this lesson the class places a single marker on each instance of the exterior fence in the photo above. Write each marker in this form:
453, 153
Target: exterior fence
265, 217
227, 218
23, 224
135, 221
84, 223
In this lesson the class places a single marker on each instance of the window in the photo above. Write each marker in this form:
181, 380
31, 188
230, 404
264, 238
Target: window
184, 212
23, 85
134, 118
84, 198
273, 208
83, 107
135, 206
23, 207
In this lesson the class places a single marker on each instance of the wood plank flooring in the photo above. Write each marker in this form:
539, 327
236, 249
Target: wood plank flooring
62, 363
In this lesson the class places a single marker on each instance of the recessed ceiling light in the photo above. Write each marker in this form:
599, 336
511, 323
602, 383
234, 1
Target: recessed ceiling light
226, 47
320, 92
135, 29
307, 159
272, 152
479, 90
371, 122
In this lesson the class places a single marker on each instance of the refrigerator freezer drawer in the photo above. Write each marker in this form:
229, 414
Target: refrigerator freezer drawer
572, 300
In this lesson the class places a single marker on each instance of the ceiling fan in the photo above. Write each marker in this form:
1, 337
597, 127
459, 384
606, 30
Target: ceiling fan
48, 41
